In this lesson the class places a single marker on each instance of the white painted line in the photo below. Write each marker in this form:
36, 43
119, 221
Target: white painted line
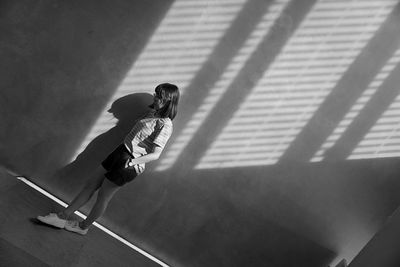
101, 227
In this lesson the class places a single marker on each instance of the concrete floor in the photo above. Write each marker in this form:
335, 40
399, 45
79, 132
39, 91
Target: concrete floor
26, 242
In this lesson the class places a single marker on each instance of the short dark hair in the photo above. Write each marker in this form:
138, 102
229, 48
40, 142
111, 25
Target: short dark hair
169, 94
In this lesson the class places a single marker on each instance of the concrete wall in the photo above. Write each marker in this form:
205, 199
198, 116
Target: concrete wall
383, 248
62, 61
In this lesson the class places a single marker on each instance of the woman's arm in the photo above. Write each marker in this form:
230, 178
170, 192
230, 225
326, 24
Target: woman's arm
148, 157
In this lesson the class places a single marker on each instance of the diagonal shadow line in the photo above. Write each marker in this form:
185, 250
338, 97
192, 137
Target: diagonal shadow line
234, 38
367, 118
248, 76
349, 88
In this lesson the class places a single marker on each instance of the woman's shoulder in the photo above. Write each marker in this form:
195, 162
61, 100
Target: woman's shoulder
164, 121
152, 116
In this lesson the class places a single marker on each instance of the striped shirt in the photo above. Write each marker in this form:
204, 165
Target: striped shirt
148, 132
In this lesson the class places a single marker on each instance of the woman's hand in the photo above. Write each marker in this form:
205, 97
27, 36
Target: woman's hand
145, 158
129, 163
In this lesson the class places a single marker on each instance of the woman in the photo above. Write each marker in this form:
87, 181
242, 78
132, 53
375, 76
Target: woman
143, 144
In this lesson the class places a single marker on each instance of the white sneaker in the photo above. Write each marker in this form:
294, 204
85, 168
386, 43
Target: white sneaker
73, 226
52, 219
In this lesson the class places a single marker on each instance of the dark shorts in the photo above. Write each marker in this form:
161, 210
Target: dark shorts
115, 166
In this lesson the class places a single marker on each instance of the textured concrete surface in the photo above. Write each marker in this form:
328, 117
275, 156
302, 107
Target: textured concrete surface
25, 241
384, 248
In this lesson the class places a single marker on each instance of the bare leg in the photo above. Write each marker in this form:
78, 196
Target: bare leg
85, 194
106, 192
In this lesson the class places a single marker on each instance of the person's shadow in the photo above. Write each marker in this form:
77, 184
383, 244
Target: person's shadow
127, 110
